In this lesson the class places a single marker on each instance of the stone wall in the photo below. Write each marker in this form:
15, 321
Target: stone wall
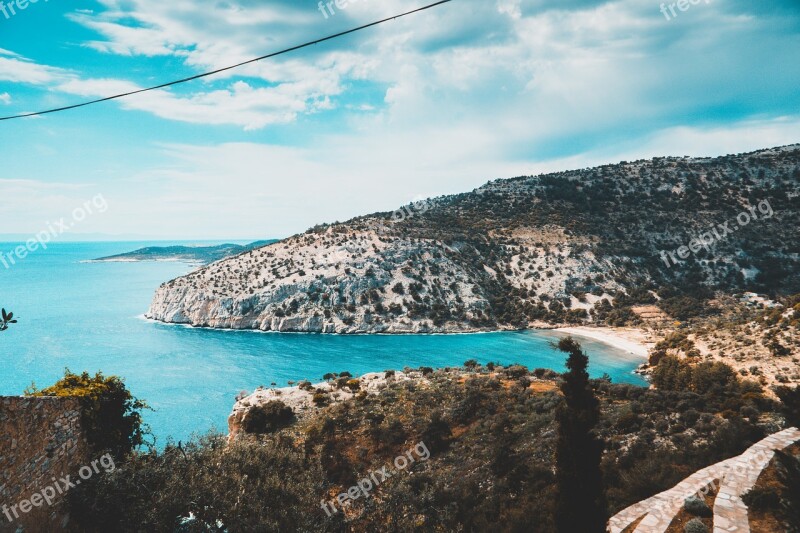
40, 439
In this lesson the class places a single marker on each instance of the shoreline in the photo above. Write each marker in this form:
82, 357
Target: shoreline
626, 339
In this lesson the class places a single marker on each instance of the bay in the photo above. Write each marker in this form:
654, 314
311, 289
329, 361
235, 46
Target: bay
88, 317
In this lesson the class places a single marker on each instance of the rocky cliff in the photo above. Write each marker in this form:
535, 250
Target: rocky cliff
569, 247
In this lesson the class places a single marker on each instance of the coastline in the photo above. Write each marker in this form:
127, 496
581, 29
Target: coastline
630, 340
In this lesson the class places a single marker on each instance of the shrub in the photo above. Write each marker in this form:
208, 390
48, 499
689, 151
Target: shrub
516, 371
426, 370
353, 384
267, 418
242, 485
695, 525
320, 399
111, 415
697, 506
437, 433
790, 398
628, 422
762, 499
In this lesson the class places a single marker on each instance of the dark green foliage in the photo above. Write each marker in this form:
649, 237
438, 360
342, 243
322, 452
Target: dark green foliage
684, 307
790, 397
789, 477
6, 319
244, 487
676, 374
491, 468
762, 499
111, 415
697, 507
695, 525
580, 504
267, 418
437, 433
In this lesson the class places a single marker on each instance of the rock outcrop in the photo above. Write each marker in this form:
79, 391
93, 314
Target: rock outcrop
559, 248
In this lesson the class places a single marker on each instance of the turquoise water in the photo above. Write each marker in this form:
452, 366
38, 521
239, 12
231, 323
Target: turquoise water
87, 316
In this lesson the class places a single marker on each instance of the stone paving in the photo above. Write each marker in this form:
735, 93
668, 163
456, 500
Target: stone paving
736, 476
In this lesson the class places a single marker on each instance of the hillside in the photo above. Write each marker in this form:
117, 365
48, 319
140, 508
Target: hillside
584, 246
487, 463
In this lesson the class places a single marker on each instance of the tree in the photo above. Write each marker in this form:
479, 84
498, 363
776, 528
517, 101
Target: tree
111, 415
790, 398
6, 319
580, 501
267, 418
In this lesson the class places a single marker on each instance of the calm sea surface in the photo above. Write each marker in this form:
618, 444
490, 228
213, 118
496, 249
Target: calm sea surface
88, 316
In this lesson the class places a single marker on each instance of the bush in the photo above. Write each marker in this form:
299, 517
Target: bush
628, 422
267, 418
695, 525
353, 384
762, 499
697, 506
241, 485
320, 399
790, 398
111, 415
437, 433
516, 371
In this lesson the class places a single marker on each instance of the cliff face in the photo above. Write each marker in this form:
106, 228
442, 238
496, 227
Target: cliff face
554, 248
351, 281
328, 282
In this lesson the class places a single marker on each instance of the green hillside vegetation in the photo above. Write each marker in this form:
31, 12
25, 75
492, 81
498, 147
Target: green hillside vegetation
492, 436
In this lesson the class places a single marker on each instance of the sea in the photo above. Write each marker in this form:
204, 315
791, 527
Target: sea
88, 316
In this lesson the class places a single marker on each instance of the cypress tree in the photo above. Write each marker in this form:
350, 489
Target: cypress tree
580, 504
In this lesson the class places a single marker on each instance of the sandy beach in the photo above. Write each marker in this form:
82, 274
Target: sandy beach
629, 339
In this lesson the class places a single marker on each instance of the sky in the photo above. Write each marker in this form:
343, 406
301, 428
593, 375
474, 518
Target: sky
438, 102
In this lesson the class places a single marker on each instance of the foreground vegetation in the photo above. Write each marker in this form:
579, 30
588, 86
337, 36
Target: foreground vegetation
111, 415
492, 434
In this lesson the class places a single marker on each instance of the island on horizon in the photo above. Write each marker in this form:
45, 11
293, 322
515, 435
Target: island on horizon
189, 254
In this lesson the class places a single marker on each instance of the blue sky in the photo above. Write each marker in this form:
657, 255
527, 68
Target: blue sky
435, 103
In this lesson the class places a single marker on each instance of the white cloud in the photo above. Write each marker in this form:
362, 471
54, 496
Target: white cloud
16, 69
240, 104
455, 96
256, 190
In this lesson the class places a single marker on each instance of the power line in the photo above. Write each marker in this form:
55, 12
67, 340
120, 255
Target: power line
205, 74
